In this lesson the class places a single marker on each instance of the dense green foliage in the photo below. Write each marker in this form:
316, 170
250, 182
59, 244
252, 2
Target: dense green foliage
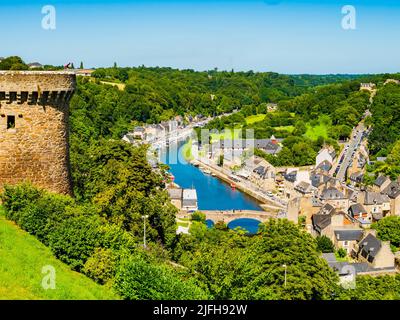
306, 122
324, 244
373, 288
235, 266
13, 63
101, 249
22, 259
388, 229
384, 139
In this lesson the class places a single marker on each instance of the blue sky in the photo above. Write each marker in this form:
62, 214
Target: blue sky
262, 35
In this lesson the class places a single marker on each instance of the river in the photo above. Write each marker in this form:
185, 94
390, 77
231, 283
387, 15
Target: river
212, 193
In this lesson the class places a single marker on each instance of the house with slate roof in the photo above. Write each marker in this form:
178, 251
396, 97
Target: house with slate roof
375, 252
335, 198
376, 204
381, 183
347, 238
327, 220
393, 192
359, 213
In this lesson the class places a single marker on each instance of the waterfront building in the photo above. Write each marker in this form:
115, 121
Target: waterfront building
176, 197
189, 200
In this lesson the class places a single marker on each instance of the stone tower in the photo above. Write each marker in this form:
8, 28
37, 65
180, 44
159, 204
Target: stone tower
34, 128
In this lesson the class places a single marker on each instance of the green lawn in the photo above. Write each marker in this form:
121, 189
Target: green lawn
255, 118
320, 130
22, 258
187, 151
285, 128
226, 135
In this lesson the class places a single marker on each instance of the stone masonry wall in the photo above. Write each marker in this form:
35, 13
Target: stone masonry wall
35, 149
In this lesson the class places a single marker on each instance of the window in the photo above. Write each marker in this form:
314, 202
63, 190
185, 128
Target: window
10, 122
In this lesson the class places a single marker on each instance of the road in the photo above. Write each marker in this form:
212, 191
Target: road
347, 158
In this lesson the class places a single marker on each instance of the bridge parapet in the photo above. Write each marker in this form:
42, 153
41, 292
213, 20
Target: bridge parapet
229, 216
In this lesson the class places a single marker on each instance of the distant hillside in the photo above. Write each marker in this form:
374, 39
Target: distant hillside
22, 258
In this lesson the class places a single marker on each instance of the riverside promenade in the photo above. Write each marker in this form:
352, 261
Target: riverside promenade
268, 203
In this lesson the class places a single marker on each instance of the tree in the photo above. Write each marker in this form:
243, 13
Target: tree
81, 66
388, 229
139, 280
13, 63
324, 244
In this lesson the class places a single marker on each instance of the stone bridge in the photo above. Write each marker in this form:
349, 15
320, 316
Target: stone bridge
228, 216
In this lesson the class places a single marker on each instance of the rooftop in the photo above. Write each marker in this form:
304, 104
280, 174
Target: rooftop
332, 193
349, 234
392, 190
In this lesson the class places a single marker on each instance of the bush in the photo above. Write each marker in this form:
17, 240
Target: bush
198, 216
140, 280
75, 240
16, 198
342, 253
101, 266
325, 245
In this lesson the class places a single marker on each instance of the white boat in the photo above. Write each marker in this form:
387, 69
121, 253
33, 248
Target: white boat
206, 171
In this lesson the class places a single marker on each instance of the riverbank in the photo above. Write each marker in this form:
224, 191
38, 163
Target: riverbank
266, 202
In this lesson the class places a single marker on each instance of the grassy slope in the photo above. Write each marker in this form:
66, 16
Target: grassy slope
314, 132
255, 118
22, 257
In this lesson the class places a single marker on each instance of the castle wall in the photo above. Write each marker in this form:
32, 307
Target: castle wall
34, 128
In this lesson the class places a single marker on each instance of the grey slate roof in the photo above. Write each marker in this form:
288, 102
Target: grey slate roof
303, 187
392, 190
321, 221
380, 180
349, 235
175, 194
327, 209
357, 209
332, 193
375, 198
369, 247
324, 165
357, 176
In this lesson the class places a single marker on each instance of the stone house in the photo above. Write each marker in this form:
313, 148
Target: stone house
335, 198
376, 204
380, 183
325, 154
139, 133
189, 200
356, 177
176, 197
327, 220
358, 212
393, 192
304, 189
377, 253
347, 238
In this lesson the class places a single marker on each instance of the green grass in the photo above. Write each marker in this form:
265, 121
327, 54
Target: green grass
255, 118
187, 151
183, 224
22, 258
285, 128
226, 135
320, 130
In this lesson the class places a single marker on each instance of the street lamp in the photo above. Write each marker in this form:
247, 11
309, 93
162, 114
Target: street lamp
144, 230
285, 266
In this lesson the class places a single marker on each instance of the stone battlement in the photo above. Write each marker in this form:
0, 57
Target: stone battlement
34, 108
37, 81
